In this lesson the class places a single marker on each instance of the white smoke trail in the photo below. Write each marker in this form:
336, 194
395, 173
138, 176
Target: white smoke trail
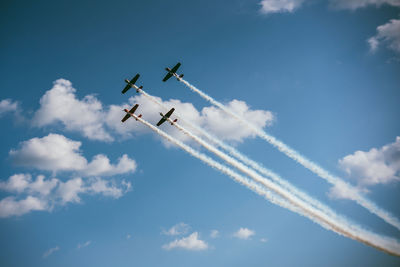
388, 245
315, 168
233, 152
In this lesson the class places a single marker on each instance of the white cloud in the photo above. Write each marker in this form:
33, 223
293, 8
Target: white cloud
214, 233
244, 233
69, 191
228, 128
279, 6
100, 165
43, 194
355, 4
16, 183
107, 188
7, 105
23, 183
60, 104
42, 186
9, 206
343, 191
83, 245
50, 251
373, 43
388, 34
178, 229
263, 240
88, 117
376, 166
192, 242
55, 152
212, 119
128, 236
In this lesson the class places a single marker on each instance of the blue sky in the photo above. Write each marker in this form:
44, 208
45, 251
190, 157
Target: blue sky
78, 188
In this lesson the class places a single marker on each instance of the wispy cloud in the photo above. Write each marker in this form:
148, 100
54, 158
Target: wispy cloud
355, 4
192, 242
7, 105
279, 6
50, 251
178, 229
214, 234
83, 245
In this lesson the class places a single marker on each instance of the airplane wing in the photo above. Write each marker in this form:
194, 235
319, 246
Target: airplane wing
169, 75
127, 87
131, 82
176, 67
133, 109
164, 118
134, 79
169, 112
161, 121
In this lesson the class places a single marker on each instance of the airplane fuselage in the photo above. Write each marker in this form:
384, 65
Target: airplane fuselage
133, 85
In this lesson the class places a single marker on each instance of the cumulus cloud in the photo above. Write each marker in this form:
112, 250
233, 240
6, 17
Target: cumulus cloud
56, 152
226, 127
244, 233
108, 188
69, 191
355, 4
376, 166
388, 34
19, 183
100, 165
192, 242
50, 251
7, 105
43, 194
60, 104
279, 6
10, 206
212, 119
88, 116
52, 152
178, 229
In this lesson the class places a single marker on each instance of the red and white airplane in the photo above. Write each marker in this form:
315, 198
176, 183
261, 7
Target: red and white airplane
129, 113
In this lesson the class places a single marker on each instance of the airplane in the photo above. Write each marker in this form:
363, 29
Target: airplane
166, 117
172, 72
130, 113
131, 84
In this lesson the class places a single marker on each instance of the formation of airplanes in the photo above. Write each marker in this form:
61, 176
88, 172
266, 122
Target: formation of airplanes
132, 84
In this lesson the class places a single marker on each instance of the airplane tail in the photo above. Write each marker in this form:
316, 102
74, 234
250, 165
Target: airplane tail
140, 115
